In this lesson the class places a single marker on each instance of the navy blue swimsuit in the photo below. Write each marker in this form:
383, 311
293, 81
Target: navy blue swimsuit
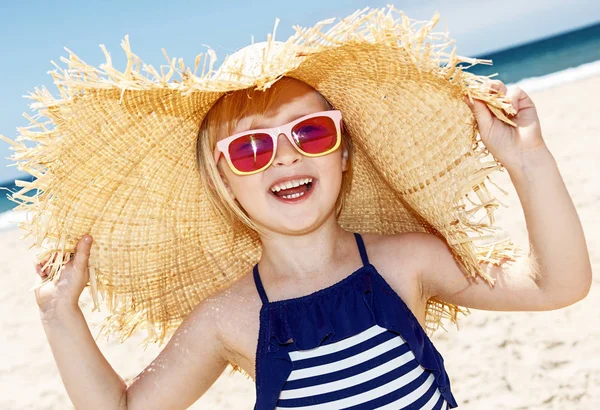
352, 345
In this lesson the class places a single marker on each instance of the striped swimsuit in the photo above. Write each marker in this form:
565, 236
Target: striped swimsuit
352, 345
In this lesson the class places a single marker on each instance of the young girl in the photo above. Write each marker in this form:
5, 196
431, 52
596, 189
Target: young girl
327, 319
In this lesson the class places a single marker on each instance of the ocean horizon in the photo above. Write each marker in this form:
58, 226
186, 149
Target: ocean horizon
544, 56
542, 64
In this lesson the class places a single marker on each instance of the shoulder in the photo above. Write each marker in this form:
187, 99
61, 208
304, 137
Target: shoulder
401, 260
224, 304
225, 307
415, 256
233, 317
408, 247
403, 238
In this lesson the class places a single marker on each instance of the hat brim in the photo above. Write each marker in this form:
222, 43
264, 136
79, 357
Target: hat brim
117, 160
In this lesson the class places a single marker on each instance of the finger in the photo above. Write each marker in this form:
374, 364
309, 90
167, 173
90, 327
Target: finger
39, 271
44, 266
520, 99
50, 260
498, 86
82, 253
46, 263
514, 95
483, 115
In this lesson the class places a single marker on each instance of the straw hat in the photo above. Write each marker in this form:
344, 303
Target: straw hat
115, 156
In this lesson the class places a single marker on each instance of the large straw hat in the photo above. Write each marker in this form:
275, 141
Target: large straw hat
115, 156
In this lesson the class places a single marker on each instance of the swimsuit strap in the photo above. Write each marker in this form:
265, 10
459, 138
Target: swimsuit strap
361, 248
259, 286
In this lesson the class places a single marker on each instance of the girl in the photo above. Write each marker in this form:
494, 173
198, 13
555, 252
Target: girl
327, 319
307, 253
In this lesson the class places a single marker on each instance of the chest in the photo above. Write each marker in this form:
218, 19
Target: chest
240, 332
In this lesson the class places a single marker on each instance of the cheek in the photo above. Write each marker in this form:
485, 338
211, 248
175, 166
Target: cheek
330, 171
334, 161
244, 188
250, 194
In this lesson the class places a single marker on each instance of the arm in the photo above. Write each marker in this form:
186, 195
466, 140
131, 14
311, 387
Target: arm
188, 365
557, 271
186, 368
89, 379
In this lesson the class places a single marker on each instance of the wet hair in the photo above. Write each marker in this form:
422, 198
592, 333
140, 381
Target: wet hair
221, 120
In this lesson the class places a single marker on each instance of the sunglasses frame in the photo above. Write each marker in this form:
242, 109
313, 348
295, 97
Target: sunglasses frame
222, 146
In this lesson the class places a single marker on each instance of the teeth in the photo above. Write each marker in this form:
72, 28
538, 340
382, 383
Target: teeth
290, 184
293, 195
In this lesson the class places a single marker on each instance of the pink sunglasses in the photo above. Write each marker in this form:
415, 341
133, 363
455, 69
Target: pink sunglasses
253, 151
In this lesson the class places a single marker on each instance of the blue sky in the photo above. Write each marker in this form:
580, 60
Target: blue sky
34, 32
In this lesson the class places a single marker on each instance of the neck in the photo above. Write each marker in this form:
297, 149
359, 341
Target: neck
306, 255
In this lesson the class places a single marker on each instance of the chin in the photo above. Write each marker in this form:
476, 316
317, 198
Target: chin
299, 225
299, 229
299, 217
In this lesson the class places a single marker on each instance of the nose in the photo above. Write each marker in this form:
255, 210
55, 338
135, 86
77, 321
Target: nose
286, 153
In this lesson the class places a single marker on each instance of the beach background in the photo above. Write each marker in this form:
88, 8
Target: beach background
500, 360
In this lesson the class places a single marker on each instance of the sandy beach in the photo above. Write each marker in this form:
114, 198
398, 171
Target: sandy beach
499, 360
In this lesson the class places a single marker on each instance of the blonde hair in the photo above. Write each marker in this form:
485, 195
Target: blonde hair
220, 121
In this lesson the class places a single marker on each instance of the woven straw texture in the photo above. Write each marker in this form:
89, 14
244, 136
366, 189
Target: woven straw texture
114, 156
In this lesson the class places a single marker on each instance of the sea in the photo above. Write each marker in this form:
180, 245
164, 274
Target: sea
534, 66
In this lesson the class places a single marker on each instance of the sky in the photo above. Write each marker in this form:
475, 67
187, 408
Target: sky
32, 33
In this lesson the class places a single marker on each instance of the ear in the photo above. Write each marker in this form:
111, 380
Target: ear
344, 159
225, 182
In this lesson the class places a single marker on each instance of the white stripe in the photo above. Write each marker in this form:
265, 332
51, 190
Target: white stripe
348, 381
410, 397
337, 346
366, 396
347, 362
429, 405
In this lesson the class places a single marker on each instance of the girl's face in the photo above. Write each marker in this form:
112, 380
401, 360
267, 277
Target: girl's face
255, 192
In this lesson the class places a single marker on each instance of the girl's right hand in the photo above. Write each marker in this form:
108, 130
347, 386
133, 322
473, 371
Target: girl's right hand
66, 290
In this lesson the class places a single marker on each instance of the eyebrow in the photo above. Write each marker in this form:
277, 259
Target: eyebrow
261, 125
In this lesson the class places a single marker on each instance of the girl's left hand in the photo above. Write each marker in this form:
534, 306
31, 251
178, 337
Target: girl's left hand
506, 143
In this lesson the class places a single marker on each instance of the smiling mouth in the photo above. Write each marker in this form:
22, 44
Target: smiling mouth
292, 189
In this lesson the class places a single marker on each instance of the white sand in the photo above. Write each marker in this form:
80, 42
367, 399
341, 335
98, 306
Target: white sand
546, 360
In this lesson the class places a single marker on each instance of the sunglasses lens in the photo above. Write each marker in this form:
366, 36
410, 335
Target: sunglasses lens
251, 152
315, 135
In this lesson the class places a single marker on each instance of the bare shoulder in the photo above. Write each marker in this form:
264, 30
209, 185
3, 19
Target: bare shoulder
400, 259
234, 313
239, 291
407, 248
218, 331
226, 305
404, 239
